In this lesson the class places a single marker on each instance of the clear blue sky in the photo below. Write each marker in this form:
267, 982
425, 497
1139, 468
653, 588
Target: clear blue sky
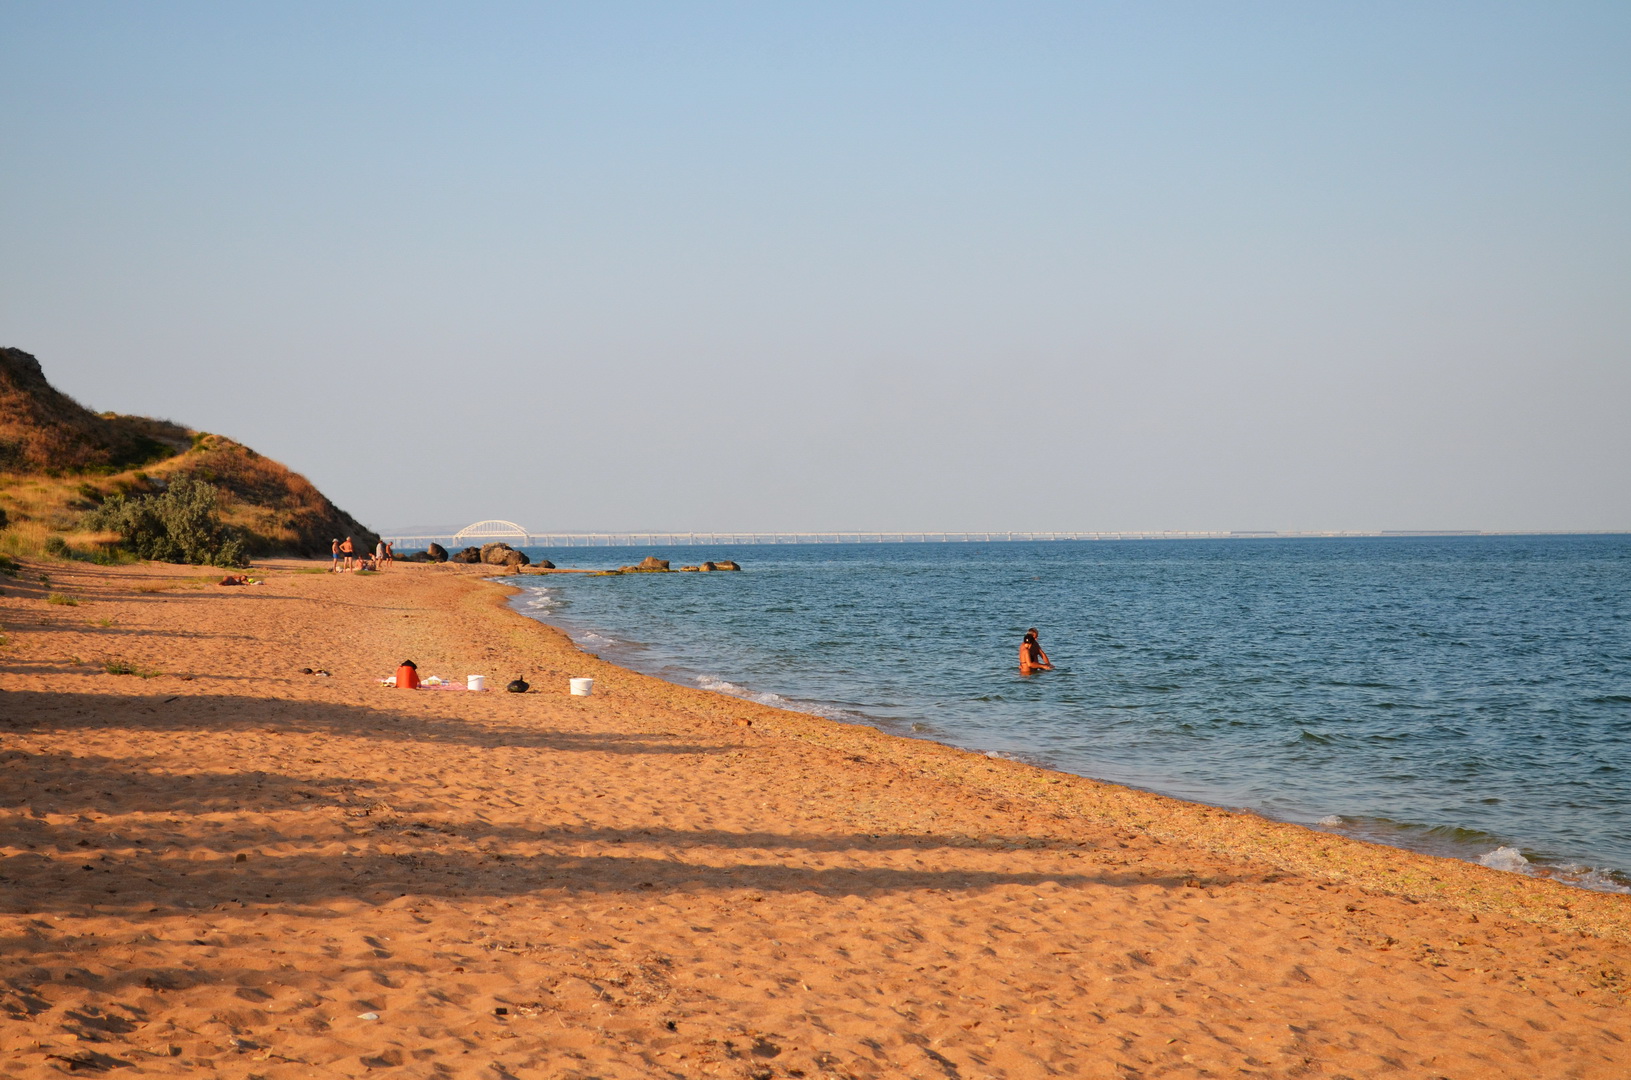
859, 266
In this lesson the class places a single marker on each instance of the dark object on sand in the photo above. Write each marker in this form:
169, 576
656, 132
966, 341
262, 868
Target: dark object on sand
234, 579
437, 553
518, 686
470, 556
305, 671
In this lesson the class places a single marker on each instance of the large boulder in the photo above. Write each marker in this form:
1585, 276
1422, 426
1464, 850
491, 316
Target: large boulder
725, 564
436, 553
651, 562
415, 556
544, 564
502, 554
470, 556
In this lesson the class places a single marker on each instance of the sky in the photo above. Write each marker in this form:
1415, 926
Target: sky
858, 266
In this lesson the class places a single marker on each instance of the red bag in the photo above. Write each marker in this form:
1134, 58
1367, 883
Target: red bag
407, 676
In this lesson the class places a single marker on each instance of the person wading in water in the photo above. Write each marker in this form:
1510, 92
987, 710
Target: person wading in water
1031, 656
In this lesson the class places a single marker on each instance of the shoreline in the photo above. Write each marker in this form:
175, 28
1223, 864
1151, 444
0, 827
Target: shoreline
1593, 878
791, 883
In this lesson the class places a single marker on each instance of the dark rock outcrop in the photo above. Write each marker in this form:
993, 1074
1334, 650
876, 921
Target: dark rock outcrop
648, 565
470, 556
501, 554
725, 564
544, 564
436, 553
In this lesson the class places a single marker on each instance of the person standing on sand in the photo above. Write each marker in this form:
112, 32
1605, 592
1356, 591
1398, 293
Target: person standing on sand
334, 548
379, 555
1031, 656
346, 551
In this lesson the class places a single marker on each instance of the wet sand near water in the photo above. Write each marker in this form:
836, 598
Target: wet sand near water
218, 866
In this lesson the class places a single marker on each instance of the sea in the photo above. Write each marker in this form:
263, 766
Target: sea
1465, 696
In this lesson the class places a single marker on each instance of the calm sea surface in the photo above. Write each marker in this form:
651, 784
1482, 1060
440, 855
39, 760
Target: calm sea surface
1466, 696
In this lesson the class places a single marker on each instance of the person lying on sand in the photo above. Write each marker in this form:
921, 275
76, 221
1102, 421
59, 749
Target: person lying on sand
1031, 656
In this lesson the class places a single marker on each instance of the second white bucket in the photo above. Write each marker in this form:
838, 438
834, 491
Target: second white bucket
583, 687
475, 682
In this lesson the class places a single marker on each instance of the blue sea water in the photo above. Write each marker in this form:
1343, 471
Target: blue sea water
1469, 696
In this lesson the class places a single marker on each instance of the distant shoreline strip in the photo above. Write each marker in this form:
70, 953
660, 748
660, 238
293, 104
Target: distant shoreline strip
715, 539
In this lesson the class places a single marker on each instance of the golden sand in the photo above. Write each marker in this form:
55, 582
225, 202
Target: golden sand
216, 865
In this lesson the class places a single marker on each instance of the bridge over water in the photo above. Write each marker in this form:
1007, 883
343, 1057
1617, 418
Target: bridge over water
508, 531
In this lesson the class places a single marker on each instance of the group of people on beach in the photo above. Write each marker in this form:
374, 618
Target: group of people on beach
346, 557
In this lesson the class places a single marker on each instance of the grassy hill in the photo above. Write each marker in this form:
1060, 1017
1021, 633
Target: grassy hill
58, 460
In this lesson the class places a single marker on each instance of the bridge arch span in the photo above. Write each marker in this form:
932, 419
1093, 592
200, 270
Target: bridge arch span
491, 529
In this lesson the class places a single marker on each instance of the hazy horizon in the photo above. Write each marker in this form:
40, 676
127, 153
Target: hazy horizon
954, 267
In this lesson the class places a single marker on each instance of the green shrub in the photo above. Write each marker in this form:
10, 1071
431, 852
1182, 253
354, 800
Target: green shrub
120, 667
62, 598
56, 545
9, 567
178, 525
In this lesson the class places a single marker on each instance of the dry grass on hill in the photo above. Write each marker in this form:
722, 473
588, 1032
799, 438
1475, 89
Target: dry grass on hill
58, 459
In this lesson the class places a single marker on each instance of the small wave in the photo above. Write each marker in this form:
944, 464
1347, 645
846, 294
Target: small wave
1597, 879
541, 601
715, 684
1505, 858
1593, 878
1330, 821
725, 686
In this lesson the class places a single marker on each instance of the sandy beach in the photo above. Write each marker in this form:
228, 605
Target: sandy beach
217, 865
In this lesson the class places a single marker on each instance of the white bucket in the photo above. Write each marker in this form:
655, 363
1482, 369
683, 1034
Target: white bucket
583, 687
475, 682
